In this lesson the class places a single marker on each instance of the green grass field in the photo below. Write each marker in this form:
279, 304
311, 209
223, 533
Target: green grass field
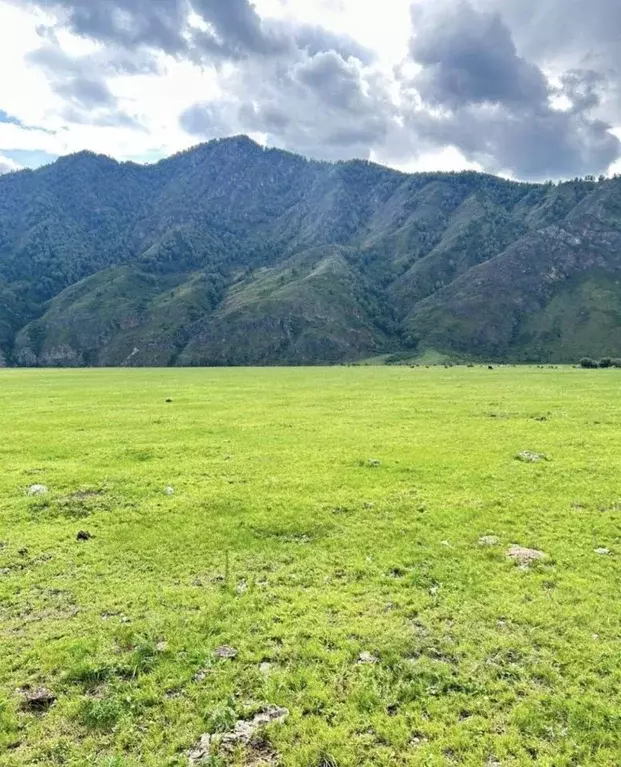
317, 515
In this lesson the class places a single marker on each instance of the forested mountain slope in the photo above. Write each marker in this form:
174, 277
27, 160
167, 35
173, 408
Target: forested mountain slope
232, 254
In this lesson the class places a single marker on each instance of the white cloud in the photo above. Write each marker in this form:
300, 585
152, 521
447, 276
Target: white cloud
381, 26
44, 117
7, 165
36, 112
23, 89
447, 159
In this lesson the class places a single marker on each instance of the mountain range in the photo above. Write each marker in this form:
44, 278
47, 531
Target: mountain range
233, 254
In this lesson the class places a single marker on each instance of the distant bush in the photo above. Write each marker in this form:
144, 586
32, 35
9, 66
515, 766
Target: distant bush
588, 363
605, 362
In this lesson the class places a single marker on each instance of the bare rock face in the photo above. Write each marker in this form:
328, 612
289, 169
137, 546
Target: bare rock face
63, 356
523, 280
26, 358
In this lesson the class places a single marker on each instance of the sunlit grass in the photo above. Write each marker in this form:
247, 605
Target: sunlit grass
316, 515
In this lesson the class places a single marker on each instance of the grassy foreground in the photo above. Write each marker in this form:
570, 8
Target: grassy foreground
317, 515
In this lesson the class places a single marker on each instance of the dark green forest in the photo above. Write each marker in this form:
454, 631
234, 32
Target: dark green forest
232, 254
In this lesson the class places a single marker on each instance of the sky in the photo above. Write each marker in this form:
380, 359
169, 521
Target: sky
528, 89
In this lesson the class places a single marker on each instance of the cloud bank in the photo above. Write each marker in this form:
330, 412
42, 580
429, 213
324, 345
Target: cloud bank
527, 88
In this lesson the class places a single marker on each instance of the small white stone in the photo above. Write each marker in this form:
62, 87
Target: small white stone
37, 490
170, 491
527, 456
202, 675
226, 652
489, 540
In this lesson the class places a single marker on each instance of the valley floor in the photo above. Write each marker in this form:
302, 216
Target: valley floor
330, 541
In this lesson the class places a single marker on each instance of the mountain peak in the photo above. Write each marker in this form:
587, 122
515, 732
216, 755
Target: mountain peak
241, 140
87, 154
87, 158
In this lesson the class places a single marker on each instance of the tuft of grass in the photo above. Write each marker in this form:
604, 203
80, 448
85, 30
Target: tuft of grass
101, 714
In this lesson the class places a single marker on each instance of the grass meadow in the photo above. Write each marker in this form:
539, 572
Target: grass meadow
326, 525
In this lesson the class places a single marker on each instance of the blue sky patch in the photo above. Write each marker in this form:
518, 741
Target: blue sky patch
5, 117
29, 158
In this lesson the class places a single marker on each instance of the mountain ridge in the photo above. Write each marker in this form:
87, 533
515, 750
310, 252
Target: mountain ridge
229, 253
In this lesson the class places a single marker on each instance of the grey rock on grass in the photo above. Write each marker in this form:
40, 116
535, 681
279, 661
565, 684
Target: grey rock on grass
241, 735
489, 540
37, 490
200, 753
226, 652
527, 456
38, 700
524, 556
